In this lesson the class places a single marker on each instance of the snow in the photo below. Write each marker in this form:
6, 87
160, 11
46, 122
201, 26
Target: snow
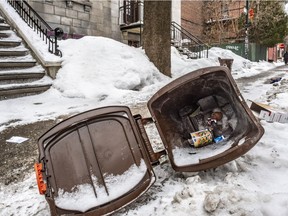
35, 69
187, 156
84, 198
116, 75
12, 36
44, 81
98, 71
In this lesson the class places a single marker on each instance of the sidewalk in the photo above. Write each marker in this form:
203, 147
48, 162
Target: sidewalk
278, 71
17, 159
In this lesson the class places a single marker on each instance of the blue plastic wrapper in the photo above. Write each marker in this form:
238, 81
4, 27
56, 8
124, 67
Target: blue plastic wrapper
218, 139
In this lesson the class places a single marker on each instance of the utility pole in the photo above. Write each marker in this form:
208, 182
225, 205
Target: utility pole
157, 34
246, 46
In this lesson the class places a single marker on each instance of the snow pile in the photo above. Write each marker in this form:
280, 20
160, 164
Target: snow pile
278, 95
241, 67
106, 70
103, 68
181, 65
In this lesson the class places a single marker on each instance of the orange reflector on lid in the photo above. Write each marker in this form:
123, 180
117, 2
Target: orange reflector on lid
40, 182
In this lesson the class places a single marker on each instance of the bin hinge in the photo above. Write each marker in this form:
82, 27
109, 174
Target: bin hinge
163, 159
154, 157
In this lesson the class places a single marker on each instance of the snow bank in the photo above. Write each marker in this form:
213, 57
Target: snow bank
98, 67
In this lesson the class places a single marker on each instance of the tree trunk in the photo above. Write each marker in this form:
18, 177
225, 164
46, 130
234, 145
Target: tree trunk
156, 34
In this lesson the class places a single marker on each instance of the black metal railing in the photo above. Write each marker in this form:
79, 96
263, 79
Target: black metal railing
191, 45
32, 18
131, 12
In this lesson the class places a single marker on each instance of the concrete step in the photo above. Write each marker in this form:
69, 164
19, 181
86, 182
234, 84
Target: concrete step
20, 76
6, 43
17, 64
3, 35
9, 35
22, 90
180, 49
4, 26
13, 52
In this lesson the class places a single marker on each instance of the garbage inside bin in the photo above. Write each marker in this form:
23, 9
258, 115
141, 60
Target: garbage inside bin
200, 138
101, 160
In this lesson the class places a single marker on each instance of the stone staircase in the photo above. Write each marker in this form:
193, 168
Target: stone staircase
184, 50
186, 43
20, 74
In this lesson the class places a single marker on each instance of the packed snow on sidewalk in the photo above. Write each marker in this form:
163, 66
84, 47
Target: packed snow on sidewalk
98, 71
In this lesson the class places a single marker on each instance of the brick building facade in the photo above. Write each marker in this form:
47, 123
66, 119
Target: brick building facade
212, 21
222, 21
192, 18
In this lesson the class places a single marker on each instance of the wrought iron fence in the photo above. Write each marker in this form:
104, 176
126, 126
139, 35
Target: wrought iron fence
194, 47
33, 19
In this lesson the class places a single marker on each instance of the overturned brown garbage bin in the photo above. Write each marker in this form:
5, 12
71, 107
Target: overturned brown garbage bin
226, 62
99, 161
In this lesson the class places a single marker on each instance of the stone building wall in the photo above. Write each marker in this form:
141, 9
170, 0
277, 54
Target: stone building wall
81, 17
176, 11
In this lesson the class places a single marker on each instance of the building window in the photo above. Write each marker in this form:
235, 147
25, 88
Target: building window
131, 13
224, 10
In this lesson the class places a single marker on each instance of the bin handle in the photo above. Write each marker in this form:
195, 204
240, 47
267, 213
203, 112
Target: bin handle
39, 176
153, 156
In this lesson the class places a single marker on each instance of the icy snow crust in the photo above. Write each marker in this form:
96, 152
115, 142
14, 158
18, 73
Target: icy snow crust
83, 198
188, 156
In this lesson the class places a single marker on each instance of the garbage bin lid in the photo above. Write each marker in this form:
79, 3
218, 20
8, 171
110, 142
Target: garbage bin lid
95, 162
